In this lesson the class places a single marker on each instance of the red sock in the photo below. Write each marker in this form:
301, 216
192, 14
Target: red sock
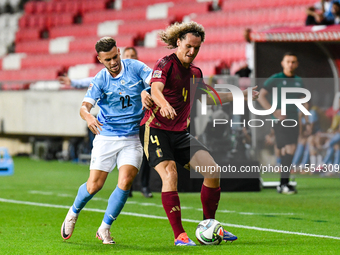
210, 198
171, 205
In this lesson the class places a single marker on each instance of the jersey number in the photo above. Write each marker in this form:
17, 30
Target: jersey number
154, 139
185, 94
127, 97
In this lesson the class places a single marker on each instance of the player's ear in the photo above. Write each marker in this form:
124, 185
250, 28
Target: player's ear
99, 59
178, 42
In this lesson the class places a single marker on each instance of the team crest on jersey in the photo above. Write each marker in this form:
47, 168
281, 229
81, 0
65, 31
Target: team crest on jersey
157, 74
122, 82
90, 87
159, 152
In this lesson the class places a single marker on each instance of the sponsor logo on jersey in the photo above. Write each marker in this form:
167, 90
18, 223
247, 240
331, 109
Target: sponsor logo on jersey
157, 74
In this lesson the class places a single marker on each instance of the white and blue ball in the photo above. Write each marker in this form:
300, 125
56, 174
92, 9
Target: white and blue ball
209, 232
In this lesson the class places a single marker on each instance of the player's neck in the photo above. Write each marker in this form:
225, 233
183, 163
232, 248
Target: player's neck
114, 75
288, 74
185, 65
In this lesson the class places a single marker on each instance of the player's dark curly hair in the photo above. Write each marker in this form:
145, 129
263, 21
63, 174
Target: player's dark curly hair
179, 30
105, 44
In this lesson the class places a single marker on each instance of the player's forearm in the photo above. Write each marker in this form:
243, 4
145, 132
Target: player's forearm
264, 102
158, 97
84, 112
225, 98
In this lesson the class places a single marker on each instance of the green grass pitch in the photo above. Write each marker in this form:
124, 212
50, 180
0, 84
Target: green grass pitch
34, 202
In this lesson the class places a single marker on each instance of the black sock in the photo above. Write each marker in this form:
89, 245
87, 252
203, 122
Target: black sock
286, 162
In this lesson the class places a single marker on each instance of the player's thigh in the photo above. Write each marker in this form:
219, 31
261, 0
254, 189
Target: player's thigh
104, 154
131, 153
126, 175
185, 147
205, 164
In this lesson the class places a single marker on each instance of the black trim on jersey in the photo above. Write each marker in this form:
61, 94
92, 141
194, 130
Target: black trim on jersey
170, 70
163, 62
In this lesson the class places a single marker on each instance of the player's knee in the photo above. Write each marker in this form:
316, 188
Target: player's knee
171, 172
94, 187
125, 183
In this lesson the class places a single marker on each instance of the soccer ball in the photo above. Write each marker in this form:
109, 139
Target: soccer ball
209, 232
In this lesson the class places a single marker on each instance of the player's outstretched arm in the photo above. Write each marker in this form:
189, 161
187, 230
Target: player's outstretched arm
93, 124
166, 109
255, 93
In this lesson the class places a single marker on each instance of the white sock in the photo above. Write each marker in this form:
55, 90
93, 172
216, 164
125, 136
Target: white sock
72, 213
104, 225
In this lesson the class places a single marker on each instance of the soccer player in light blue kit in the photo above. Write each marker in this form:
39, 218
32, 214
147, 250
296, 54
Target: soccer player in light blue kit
118, 91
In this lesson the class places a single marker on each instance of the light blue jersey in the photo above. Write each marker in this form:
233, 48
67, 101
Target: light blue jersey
119, 98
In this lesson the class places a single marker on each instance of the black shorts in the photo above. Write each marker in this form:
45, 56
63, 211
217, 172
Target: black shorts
285, 135
160, 145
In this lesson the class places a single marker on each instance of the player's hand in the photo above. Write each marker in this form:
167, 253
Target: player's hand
147, 101
93, 124
65, 80
168, 112
277, 114
255, 93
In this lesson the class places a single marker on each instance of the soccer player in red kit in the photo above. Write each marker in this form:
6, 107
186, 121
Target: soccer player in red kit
163, 131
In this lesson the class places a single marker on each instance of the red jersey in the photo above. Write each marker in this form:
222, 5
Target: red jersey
177, 90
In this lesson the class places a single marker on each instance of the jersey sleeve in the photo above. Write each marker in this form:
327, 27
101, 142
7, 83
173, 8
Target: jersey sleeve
81, 83
269, 83
144, 72
94, 91
160, 71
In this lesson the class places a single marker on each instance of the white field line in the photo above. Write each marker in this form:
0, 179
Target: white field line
156, 205
165, 218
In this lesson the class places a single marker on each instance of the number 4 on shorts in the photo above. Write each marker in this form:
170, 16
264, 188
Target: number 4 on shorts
154, 139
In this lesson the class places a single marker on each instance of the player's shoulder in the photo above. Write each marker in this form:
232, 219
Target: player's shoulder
277, 76
165, 62
196, 70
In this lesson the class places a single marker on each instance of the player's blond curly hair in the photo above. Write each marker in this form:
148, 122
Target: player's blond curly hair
179, 30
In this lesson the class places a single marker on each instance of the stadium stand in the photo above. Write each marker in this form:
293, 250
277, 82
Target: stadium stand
59, 34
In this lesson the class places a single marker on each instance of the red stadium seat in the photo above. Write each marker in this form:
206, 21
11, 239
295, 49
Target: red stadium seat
143, 26
74, 30
88, 43
30, 7
29, 75
40, 7
181, 9
64, 60
92, 5
27, 34
32, 47
105, 15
